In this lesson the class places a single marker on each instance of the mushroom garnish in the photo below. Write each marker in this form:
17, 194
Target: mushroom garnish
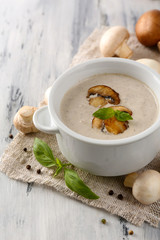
122, 109
23, 119
114, 126
114, 119
146, 187
98, 101
105, 92
113, 43
155, 65
97, 123
148, 28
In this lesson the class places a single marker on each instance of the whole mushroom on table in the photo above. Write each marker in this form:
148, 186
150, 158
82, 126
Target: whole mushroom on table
145, 186
148, 28
23, 120
114, 43
155, 65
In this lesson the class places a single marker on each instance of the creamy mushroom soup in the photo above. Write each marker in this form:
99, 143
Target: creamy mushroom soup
76, 109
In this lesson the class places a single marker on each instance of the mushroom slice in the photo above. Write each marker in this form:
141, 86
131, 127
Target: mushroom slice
114, 126
106, 92
122, 109
97, 123
98, 101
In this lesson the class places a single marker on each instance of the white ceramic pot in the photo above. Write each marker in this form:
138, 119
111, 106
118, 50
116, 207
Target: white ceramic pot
101, 157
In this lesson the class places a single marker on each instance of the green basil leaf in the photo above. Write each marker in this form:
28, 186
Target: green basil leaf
74, 183
122, 116
58, 170
104, 113
43, 153
59, 163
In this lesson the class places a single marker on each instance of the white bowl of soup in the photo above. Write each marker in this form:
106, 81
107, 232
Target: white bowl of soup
69, 115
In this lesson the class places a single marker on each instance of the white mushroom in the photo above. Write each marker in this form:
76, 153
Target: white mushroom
23, 120
129, 179
146, 187
113, 42
155, 65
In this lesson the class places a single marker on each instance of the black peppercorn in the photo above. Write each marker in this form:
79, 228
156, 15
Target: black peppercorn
120, 196
110, 192
10, 136
39, 171
28, 167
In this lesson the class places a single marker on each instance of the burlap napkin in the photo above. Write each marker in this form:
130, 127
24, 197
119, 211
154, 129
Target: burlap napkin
14, 160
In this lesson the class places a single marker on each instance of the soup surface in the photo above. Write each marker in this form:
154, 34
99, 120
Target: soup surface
76, 113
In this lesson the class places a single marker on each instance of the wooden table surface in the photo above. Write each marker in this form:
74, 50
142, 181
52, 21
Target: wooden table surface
38, 39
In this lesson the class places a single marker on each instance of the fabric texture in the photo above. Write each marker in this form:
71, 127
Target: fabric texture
14, 159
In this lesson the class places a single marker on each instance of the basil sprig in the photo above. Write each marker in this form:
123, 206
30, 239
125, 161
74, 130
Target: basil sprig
106, 113
43, 153
45, 157
74, 182
122, 116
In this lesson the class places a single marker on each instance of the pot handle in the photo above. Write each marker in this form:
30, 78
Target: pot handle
43, 122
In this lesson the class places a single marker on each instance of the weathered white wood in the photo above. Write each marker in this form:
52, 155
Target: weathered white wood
37, 42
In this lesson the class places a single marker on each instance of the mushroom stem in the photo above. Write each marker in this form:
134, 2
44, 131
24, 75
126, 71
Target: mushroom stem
129, 179
26, 113
158, 45
124, 51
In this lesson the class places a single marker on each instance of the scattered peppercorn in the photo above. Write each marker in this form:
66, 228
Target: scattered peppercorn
28, 167
39, 171
120, 196
10, 136
111, 192
25, 149
103, 221
130, 232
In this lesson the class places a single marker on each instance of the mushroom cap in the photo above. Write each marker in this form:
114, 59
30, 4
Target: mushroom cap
148, 28
146, 187
112, 39
155, 65
23, 119
122, 109
104, 91
26, 112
